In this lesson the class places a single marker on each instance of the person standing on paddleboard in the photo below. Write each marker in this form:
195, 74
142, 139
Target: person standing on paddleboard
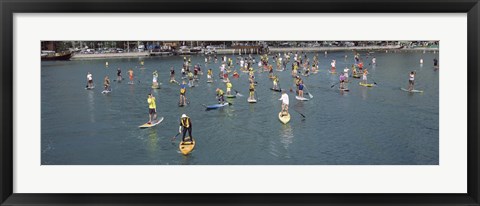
364, 77
220, 97
155, 78
130, 74
183, 90
300, 88
411, 80
106, 83
333, 65
172, 74
275, 82
342, 81
285, 102
252, 90
185, 125
89, 80
119, 74
152, 108
229, 87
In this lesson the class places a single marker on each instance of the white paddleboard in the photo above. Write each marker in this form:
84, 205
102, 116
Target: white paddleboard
301, 98
146, 125
412, 91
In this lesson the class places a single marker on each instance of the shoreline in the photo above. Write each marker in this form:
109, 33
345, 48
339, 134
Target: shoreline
272, 50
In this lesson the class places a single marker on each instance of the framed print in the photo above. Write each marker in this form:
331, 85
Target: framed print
269, 102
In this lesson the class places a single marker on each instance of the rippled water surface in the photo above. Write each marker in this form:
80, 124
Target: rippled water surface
379, 125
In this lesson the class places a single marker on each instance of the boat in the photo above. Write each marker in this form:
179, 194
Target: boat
54, 56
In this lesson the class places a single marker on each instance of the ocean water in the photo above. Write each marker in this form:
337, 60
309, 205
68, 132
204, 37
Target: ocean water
381, 125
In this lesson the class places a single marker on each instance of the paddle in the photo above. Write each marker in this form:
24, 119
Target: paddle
334, 85
309, 94
173, 138
238, 93
300, 113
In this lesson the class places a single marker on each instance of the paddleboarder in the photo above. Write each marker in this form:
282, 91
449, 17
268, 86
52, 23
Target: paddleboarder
152, 108
220, 97
285, 102
185, 125
411, 80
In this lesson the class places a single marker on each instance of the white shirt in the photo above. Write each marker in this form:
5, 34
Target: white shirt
89, 76
333, 64
284, 98
345, 71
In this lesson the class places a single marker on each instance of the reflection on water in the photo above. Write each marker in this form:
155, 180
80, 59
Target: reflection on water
152, 142
91, 105
286, 135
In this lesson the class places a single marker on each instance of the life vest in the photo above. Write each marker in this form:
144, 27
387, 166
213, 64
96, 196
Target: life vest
185, 122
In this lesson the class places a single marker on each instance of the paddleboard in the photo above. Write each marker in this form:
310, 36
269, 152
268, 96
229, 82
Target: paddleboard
216, 106
209, 81
146, 125
284, 119
365, 85
412, 91
356, 76
131, 83
251, 100
156, 87
301, 98
186, 147
277, 90
231, 96
345, 90
90, 88
173, 81
106, 91
332, 72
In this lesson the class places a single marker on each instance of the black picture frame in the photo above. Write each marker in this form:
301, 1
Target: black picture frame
10, 7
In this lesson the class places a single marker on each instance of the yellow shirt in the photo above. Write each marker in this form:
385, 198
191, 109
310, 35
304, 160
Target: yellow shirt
229, 85
151, 103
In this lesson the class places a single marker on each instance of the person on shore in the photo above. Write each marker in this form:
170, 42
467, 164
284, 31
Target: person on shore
364, 77
172, 75
155, 79
183, 90
130, 75
119, 74
185, 125
285, 102
106, 83
89, 80
252, 91
229, 87
152, 108
411, 80
342, 80
220, 97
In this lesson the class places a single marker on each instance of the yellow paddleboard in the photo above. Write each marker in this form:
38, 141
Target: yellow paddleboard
285, 119
365, 85
186, 147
